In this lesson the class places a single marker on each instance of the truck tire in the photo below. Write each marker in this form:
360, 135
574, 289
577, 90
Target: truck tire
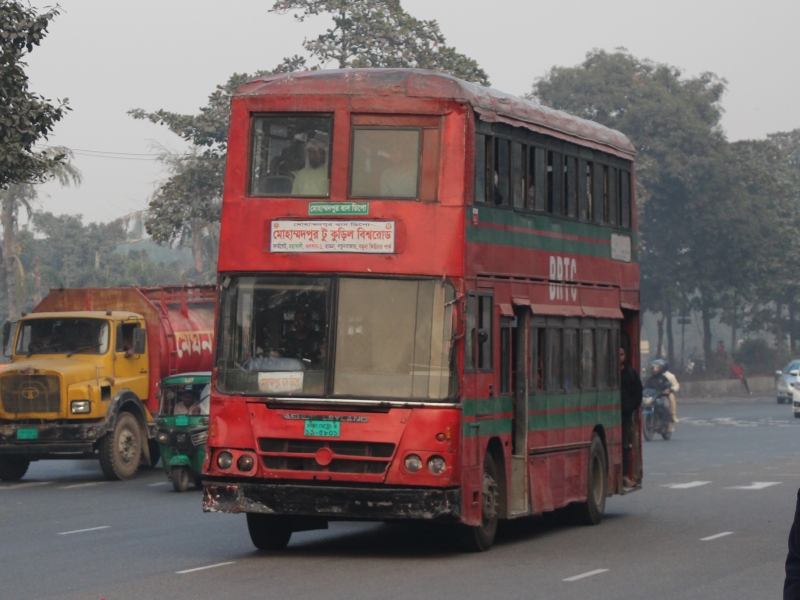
121, 449
13, 468
591, 511
269, 532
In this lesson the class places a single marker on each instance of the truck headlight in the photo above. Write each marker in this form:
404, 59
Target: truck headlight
80, 407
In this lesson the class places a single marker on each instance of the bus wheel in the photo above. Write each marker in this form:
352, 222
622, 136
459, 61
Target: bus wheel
121, 449
13, 468
480, 538
591, 511
268, 532
180, 478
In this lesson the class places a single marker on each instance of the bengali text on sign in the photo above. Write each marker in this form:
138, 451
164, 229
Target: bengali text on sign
368, 237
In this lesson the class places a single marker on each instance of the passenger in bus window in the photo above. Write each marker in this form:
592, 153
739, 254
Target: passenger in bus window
312, 179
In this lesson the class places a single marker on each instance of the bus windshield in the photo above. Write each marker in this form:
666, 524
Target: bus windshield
63, 336
336, 337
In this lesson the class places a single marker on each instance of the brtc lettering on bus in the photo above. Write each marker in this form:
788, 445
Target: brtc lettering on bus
563, 270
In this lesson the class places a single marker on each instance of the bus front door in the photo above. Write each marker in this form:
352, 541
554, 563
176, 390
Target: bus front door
518, 489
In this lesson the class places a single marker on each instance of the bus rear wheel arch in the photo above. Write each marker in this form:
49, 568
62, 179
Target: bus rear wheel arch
479, 538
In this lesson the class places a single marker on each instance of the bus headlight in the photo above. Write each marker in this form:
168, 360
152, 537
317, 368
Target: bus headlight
245, 462
436, 465
80, 407
224, 460
413, 463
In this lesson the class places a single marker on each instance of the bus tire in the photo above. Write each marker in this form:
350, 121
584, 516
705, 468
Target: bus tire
13, 468
121, 449
269, 532
591, 511
479, 538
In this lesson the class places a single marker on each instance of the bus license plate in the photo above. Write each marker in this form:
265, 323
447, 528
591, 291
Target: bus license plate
27, 434
322, 428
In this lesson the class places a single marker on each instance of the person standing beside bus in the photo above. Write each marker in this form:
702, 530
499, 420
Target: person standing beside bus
631, 400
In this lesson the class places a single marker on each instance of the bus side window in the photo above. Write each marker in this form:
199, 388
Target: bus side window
485, 313
597, 193
554, 359
570, 187
501, 172
571, 381
471, 334
602, 336
588, 365
517, 174
505, 355
537, 179
613, 198
583, 197
625, 198
480, 168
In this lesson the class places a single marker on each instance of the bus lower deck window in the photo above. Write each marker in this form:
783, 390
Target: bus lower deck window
291, 156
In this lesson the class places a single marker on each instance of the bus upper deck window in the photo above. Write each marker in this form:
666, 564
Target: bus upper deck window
291, 156
386, 163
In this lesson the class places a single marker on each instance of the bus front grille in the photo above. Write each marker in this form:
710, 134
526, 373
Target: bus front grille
30, 393
347, 457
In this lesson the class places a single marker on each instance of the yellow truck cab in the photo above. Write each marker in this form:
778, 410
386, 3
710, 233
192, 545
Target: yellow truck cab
82, 383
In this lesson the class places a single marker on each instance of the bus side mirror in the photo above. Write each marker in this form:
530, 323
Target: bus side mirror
139, 339
483, 336
8, 338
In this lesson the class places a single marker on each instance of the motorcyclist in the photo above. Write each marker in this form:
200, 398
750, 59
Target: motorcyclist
664, 382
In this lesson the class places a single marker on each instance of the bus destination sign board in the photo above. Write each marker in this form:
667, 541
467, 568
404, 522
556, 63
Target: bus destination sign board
332, 209
366, 237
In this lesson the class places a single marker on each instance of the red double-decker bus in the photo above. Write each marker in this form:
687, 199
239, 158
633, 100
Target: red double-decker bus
424, 286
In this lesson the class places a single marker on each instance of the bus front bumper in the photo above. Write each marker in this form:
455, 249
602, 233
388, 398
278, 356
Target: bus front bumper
335, 503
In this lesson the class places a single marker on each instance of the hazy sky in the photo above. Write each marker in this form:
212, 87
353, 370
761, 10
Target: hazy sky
109, 57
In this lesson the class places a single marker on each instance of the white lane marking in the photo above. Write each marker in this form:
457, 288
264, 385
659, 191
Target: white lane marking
80, 485
206, 567
582, 575
756, 485
19, 486
83, 530
713, 537
159, 483
684, 486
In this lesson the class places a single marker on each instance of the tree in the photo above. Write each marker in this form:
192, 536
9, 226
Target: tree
25, 117
13, 200
378, 34
674, 124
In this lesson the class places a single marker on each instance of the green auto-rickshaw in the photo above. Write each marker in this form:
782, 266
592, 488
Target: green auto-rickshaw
183, 427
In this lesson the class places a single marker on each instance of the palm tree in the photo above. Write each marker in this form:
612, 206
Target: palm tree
12, 200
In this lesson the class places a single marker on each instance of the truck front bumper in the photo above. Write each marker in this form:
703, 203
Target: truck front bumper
50, 438
335, 503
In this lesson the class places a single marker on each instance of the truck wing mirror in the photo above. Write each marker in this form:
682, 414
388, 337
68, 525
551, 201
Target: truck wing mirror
139, 340
9, 329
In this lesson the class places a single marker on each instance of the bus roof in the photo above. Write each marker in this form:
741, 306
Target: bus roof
490, 104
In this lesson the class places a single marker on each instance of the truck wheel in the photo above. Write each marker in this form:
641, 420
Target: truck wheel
480, 538
269, 532
121, 449
591, 511
13, 468
180, 478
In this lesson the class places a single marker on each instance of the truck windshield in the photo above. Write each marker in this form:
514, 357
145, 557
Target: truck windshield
62, 336
336, 337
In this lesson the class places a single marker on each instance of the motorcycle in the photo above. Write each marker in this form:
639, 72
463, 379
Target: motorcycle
656, 414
